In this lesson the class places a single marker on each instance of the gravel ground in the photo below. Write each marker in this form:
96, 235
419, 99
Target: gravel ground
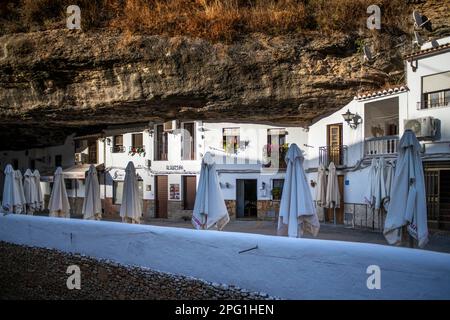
37, 273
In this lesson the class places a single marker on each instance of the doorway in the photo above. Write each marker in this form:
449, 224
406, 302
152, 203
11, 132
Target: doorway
437, 187
246, 198
334, 144
161, 192
329, 213
189, 192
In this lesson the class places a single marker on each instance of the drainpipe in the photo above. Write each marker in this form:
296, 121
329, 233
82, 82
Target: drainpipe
104, 174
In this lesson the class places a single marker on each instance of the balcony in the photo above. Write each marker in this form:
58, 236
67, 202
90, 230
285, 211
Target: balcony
118, 149
336, 154
429, 104
378, 146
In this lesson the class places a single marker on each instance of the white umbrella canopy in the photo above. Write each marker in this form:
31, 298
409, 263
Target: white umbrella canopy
380, 184
58, 204
209, 208
92, 205
408, 203
333, 199
296, 206
131, 207
321, 187
20, 206
369, 196
8, 201
29, 186
39, 194
390, 171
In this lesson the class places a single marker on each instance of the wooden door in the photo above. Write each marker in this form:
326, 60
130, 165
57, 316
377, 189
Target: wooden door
334, 143
161, 192
189, 191
339, 211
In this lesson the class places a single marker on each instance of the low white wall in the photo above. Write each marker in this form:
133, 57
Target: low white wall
284, 267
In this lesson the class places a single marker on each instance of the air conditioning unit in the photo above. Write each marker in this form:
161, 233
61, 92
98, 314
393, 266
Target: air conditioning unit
80, 158
423, 127
170, 126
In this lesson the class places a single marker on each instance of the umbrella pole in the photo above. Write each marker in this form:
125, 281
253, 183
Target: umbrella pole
334, 213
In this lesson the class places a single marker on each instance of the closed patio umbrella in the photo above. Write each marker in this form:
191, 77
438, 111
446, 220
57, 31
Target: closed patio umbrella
58, 204
333, 199
92, 206
321, 187
380, 184
390, 171
39, 194
9, 196
131, 208
20, 206
296, 206
209, 208
408, 203
369, 196
29, 186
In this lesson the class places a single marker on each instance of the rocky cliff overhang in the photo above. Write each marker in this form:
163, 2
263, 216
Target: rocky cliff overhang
56, 82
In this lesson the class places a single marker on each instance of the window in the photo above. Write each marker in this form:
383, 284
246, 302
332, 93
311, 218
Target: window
188, 142
161, 146
277, 188
15, 164
58, 160
118, 191
118, 144
435, 90
70, 183
137, 140
92, 151
276, 146
231, 140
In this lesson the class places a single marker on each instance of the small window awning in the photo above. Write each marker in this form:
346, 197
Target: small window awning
78, 171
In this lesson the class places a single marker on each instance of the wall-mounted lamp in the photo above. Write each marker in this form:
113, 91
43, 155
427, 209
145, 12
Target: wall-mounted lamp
108, 141
352, 119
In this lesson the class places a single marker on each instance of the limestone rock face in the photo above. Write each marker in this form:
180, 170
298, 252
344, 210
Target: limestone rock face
56, 82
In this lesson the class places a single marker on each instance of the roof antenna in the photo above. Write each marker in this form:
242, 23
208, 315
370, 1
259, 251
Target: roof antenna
368, 56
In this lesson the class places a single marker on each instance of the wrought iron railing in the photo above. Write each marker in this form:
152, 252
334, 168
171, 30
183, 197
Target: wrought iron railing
428, 104
378, 146
336, 154
117, 149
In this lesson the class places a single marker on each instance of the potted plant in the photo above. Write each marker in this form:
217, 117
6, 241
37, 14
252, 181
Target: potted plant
276, 193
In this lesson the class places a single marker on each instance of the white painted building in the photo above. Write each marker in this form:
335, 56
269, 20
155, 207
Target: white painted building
422, 105
249, 157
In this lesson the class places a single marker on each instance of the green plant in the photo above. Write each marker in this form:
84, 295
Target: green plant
276, 193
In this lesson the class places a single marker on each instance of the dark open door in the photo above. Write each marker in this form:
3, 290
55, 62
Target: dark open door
339, 211
161, 193
246, 198
189, 192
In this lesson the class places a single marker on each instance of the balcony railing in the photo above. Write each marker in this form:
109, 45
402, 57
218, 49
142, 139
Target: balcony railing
117, 149
385, 145
336, 154
428, 104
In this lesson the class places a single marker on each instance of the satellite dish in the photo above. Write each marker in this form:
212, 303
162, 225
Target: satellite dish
421, 21
417, 39
367, 54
